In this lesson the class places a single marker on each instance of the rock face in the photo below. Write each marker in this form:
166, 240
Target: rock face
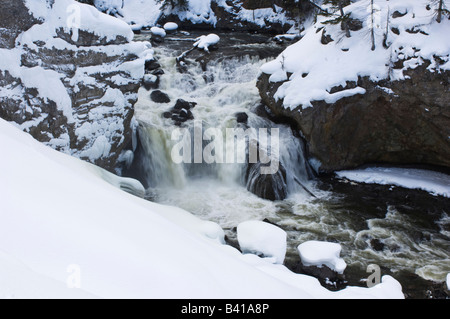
235, 15
71, 88
395, 122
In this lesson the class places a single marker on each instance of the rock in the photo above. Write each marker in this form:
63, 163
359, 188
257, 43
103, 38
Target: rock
409, 126
262, 239
15, 18
158, 96
266, 186
377, 244
182, 104
181, 112
152, 65
150, 82
84, 107
242, 118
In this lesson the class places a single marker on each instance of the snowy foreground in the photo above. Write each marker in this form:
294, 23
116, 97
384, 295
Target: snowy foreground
65, 223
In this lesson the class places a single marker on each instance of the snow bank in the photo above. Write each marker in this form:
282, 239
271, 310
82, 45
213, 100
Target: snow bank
317, 68
61, 221
430, 181
317, 253
205, 41
260, 238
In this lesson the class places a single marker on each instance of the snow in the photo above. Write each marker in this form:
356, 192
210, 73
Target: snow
59, 215
260, 238
433, 182
317, 68
54, 85
205, 41
198, 12
170, 26
140, 13
160, 32
85, 17
317, 253
448, 281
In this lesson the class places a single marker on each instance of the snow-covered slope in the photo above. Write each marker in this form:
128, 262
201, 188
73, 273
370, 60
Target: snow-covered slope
71, 78
62, 224
406, 35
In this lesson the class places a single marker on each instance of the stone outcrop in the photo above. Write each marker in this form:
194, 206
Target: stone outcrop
73, 92
395, 122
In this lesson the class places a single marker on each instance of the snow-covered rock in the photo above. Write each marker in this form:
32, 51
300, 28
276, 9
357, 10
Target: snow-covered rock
380, 102
206, 41
433, 182
228, 15
157, 31
318, 253
71, 77
260, 238
170, 26
65, 232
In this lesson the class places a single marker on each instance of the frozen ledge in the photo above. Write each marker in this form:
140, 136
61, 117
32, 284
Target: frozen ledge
435, 183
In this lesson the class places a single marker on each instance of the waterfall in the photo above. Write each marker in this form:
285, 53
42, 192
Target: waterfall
219, 95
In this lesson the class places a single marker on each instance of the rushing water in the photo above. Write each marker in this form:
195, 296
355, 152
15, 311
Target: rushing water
413, 242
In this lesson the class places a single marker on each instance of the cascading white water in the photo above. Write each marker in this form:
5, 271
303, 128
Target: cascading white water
218, 192
226, 88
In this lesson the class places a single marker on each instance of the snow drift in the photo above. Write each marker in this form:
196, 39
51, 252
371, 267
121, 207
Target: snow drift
58, 213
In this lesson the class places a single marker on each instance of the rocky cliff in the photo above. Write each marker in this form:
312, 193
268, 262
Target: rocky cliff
358, 102
69, 76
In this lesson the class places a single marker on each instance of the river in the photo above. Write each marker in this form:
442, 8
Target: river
405, 232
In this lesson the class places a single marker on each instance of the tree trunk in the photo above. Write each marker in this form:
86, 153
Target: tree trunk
373, 27
441, 7
345, 23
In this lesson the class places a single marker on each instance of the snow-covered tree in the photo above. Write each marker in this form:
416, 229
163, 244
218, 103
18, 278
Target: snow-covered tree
173, 4
338, 14
441, 9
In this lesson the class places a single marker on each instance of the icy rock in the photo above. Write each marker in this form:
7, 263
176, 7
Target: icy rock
263, 239
318, 253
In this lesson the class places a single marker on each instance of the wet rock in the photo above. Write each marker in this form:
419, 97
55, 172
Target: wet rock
158, 96
181, 112
377, 244
151, 65
150, 82
242, 118
327, 277
266, 186
182, 104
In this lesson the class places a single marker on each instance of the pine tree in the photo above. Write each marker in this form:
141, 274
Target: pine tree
372, 31
343, 18
441, 9
172, 4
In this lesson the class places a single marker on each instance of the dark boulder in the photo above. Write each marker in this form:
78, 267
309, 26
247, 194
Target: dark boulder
409, 126
158, 96
242, 117
182, 104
